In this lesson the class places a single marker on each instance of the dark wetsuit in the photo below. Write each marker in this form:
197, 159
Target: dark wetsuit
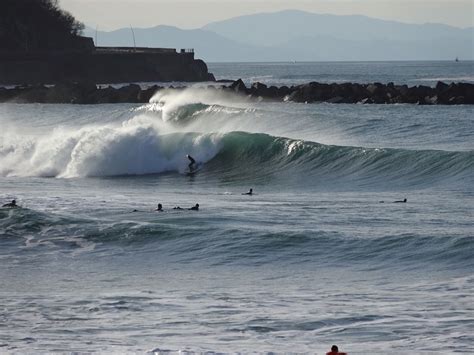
11, 204
192, 164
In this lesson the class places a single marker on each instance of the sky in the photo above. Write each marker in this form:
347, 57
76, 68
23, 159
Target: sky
188, 14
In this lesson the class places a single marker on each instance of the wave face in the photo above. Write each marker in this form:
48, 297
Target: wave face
220, 133
264, 155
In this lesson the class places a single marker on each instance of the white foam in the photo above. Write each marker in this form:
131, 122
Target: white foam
141, 145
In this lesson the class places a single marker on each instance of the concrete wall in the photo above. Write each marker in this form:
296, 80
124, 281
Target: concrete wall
112, 65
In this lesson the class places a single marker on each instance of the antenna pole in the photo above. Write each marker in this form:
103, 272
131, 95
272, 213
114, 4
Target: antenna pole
133, 35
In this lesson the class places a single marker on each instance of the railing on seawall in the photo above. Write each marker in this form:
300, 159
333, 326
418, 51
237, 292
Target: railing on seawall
133, 50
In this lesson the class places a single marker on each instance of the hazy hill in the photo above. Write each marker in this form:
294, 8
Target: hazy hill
302, 36
280, 27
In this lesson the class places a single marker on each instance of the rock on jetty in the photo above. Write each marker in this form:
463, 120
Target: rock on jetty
78, 93
350, 93
375, 93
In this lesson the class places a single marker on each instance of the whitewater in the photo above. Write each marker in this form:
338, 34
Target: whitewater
319, 255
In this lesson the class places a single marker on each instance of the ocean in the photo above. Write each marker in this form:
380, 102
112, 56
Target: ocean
319, 255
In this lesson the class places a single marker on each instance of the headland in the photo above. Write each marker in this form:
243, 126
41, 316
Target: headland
41, 44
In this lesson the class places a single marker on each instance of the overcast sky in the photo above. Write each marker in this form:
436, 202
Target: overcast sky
113, 14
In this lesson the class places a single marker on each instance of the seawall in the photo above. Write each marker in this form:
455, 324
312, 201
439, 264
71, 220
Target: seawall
101, 65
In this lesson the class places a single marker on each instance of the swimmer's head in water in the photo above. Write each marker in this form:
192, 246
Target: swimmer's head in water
334, 348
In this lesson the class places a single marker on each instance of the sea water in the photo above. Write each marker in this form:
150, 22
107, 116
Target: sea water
319, 255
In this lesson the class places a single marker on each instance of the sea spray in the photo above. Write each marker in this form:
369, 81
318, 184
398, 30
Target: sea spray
172, 102
136, 147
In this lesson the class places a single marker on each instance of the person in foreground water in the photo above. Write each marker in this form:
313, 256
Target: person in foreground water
248, 193
11, 204
159, 208
335, 351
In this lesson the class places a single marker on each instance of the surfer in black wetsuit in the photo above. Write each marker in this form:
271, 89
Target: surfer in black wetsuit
192, 164
194, 208
248, 193
11, 204
159, 208
401, 201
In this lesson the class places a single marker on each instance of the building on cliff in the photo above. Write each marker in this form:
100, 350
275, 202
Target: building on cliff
85, 62
42, 44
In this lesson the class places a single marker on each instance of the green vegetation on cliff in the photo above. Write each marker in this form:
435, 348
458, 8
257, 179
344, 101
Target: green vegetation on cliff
32, 25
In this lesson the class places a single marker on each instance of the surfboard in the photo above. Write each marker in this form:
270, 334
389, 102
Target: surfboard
193, 172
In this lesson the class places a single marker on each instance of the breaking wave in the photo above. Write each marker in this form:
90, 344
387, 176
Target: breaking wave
155, 139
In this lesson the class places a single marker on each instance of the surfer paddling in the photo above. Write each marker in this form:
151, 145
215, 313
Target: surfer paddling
194, 208
398, 201
11, 204
248, 193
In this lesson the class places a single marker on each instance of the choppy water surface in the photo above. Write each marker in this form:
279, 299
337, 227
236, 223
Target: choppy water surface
312, 259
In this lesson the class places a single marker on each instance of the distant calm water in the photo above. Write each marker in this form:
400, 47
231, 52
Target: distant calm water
410, 73
312, 259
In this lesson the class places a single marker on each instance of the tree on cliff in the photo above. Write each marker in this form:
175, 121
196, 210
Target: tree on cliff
29, 25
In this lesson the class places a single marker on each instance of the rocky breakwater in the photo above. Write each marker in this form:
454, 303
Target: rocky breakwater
78, 93
376, 93
350, 93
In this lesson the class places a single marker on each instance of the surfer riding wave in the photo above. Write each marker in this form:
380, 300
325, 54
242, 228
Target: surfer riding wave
192, 165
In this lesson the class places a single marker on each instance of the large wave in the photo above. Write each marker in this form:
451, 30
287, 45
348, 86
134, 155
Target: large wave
155, 138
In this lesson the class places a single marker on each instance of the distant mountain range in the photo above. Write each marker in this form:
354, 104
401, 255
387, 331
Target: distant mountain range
293, 35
